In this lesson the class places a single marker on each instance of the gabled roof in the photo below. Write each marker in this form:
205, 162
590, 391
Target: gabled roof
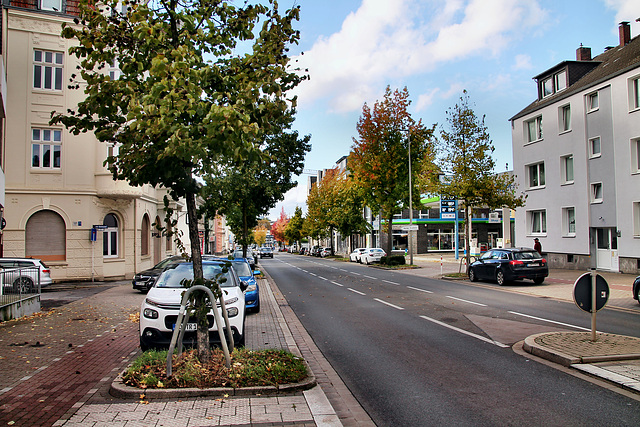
613, 62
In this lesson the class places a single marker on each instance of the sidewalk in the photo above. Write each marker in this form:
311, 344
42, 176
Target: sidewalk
614, 358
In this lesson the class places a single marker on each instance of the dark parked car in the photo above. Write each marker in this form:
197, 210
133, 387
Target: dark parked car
505, 265
145, 280
636, 289
266, 252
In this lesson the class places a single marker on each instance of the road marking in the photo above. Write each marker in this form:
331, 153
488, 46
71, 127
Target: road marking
357, 292
313, 274
305, 271
369, 277
389, 304
357, 274
421, 290
467, 301
336, 283
550, 321
342, 269
393, 283
320, 277
471, 334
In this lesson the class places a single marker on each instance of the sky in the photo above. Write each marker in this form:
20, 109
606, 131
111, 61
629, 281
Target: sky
354, 49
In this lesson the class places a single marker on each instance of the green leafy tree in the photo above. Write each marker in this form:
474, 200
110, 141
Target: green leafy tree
185, 97
379, 159
468, 164
293, 230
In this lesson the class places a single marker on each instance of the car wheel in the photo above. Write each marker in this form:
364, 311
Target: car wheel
240, 342
538, 280
638, 294
143, 346
500, 278
366, 261
472, 275
23, 285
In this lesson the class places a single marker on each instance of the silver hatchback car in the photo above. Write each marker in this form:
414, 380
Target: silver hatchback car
23, 275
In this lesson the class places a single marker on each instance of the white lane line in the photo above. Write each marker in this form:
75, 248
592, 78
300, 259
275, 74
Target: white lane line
357, 292
421, 290
335, 268
313, 274
369, 277
356, 274
467, 301
397, 307
342, 269
393, 283
303, 270
550, 321
320, 277
336, 283
471, 334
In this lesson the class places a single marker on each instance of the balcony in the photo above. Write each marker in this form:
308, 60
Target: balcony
107, 187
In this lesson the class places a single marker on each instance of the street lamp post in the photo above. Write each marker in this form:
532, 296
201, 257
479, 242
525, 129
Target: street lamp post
410, 206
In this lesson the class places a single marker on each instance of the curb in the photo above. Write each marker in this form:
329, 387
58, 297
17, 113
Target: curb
123, 391
530, 346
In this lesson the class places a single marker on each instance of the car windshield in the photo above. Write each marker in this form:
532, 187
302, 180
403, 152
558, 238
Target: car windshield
242, 268
526, 255
376, 250
164, 263
173, 277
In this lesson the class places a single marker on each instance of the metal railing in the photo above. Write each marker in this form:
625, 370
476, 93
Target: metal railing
18, 284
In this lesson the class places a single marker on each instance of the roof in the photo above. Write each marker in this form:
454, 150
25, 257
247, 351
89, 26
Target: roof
613, 62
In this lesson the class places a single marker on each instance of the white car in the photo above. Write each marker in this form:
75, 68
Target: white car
159, 310
372, 255
22, 275
355, 255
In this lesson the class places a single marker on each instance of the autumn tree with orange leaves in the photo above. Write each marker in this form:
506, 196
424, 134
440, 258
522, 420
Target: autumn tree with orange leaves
379, 159
277, 229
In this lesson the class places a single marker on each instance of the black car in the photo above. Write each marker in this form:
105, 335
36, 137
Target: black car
636, 289
145, 280
505, 265
266, 252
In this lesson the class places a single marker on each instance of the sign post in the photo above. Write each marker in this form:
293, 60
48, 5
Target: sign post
591, 293
449, 210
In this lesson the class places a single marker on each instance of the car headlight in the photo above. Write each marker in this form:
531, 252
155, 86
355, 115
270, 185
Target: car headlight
150, 313
251, 288
230, 300
232, 311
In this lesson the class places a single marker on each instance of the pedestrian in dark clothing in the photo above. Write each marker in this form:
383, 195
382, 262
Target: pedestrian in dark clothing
537, 246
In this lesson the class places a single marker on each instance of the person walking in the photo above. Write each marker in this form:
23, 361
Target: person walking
537, 245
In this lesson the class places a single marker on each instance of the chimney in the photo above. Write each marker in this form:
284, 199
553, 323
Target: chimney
625, 33
583, 53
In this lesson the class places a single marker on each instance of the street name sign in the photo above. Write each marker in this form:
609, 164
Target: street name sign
409, 228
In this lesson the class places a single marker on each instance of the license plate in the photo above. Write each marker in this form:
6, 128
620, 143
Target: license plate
190, 326
534, 264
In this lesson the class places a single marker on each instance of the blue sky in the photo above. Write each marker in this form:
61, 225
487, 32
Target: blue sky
436, 48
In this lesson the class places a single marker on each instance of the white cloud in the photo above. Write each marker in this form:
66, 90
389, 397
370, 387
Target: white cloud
385, 40
626, 10
297, 196
426, 99
523, 62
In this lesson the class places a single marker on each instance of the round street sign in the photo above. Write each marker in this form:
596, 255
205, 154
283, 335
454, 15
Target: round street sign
582, 292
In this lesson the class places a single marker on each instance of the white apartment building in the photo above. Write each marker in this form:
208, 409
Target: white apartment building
57, 188
576, 153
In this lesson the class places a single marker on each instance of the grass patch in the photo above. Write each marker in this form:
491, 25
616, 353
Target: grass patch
248, 369
456, 275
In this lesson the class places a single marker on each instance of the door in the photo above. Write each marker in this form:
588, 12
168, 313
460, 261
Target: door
606, 248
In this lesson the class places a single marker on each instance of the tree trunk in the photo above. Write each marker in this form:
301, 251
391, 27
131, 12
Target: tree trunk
202, 333
389, 237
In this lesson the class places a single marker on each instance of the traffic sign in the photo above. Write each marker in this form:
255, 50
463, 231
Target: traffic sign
448, 208
410, 228
100, 227
582, 292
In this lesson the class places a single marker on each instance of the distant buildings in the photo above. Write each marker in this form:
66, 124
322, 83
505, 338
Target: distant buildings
576, 152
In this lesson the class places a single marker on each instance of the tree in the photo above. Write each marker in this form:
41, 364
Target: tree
293, 230
260, 235
379, 159
278, 227
173, 112
468, 165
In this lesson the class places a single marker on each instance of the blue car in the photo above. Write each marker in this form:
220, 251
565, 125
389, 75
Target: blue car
245, 274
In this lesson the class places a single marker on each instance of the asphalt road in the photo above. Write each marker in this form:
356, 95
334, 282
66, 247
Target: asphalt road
418, 351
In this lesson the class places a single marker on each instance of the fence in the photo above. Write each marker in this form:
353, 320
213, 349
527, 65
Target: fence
19, 284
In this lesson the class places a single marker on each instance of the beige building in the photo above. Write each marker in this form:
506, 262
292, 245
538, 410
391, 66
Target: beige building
57, 188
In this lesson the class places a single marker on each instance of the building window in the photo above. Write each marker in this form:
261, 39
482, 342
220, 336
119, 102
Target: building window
565, 118
566, 163
560, 81
569, 222
55, 5
636, 219
595, 148
547, 87
596, 192
634, 93
46, 148
47, 70
110, 237
635, 156
553, 84
114, 70
592, 102
538, 222
533, 129
46, 236
536, 175
144, 236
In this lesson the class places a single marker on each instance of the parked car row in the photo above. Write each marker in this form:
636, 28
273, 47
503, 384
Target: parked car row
367, 255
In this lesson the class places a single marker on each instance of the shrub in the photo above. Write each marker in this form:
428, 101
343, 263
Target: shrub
393, 260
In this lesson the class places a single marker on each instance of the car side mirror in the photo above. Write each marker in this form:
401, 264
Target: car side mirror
243, 285
257, 272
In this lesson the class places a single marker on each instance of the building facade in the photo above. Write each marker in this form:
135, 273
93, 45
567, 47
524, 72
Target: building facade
576, 152
57, 187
